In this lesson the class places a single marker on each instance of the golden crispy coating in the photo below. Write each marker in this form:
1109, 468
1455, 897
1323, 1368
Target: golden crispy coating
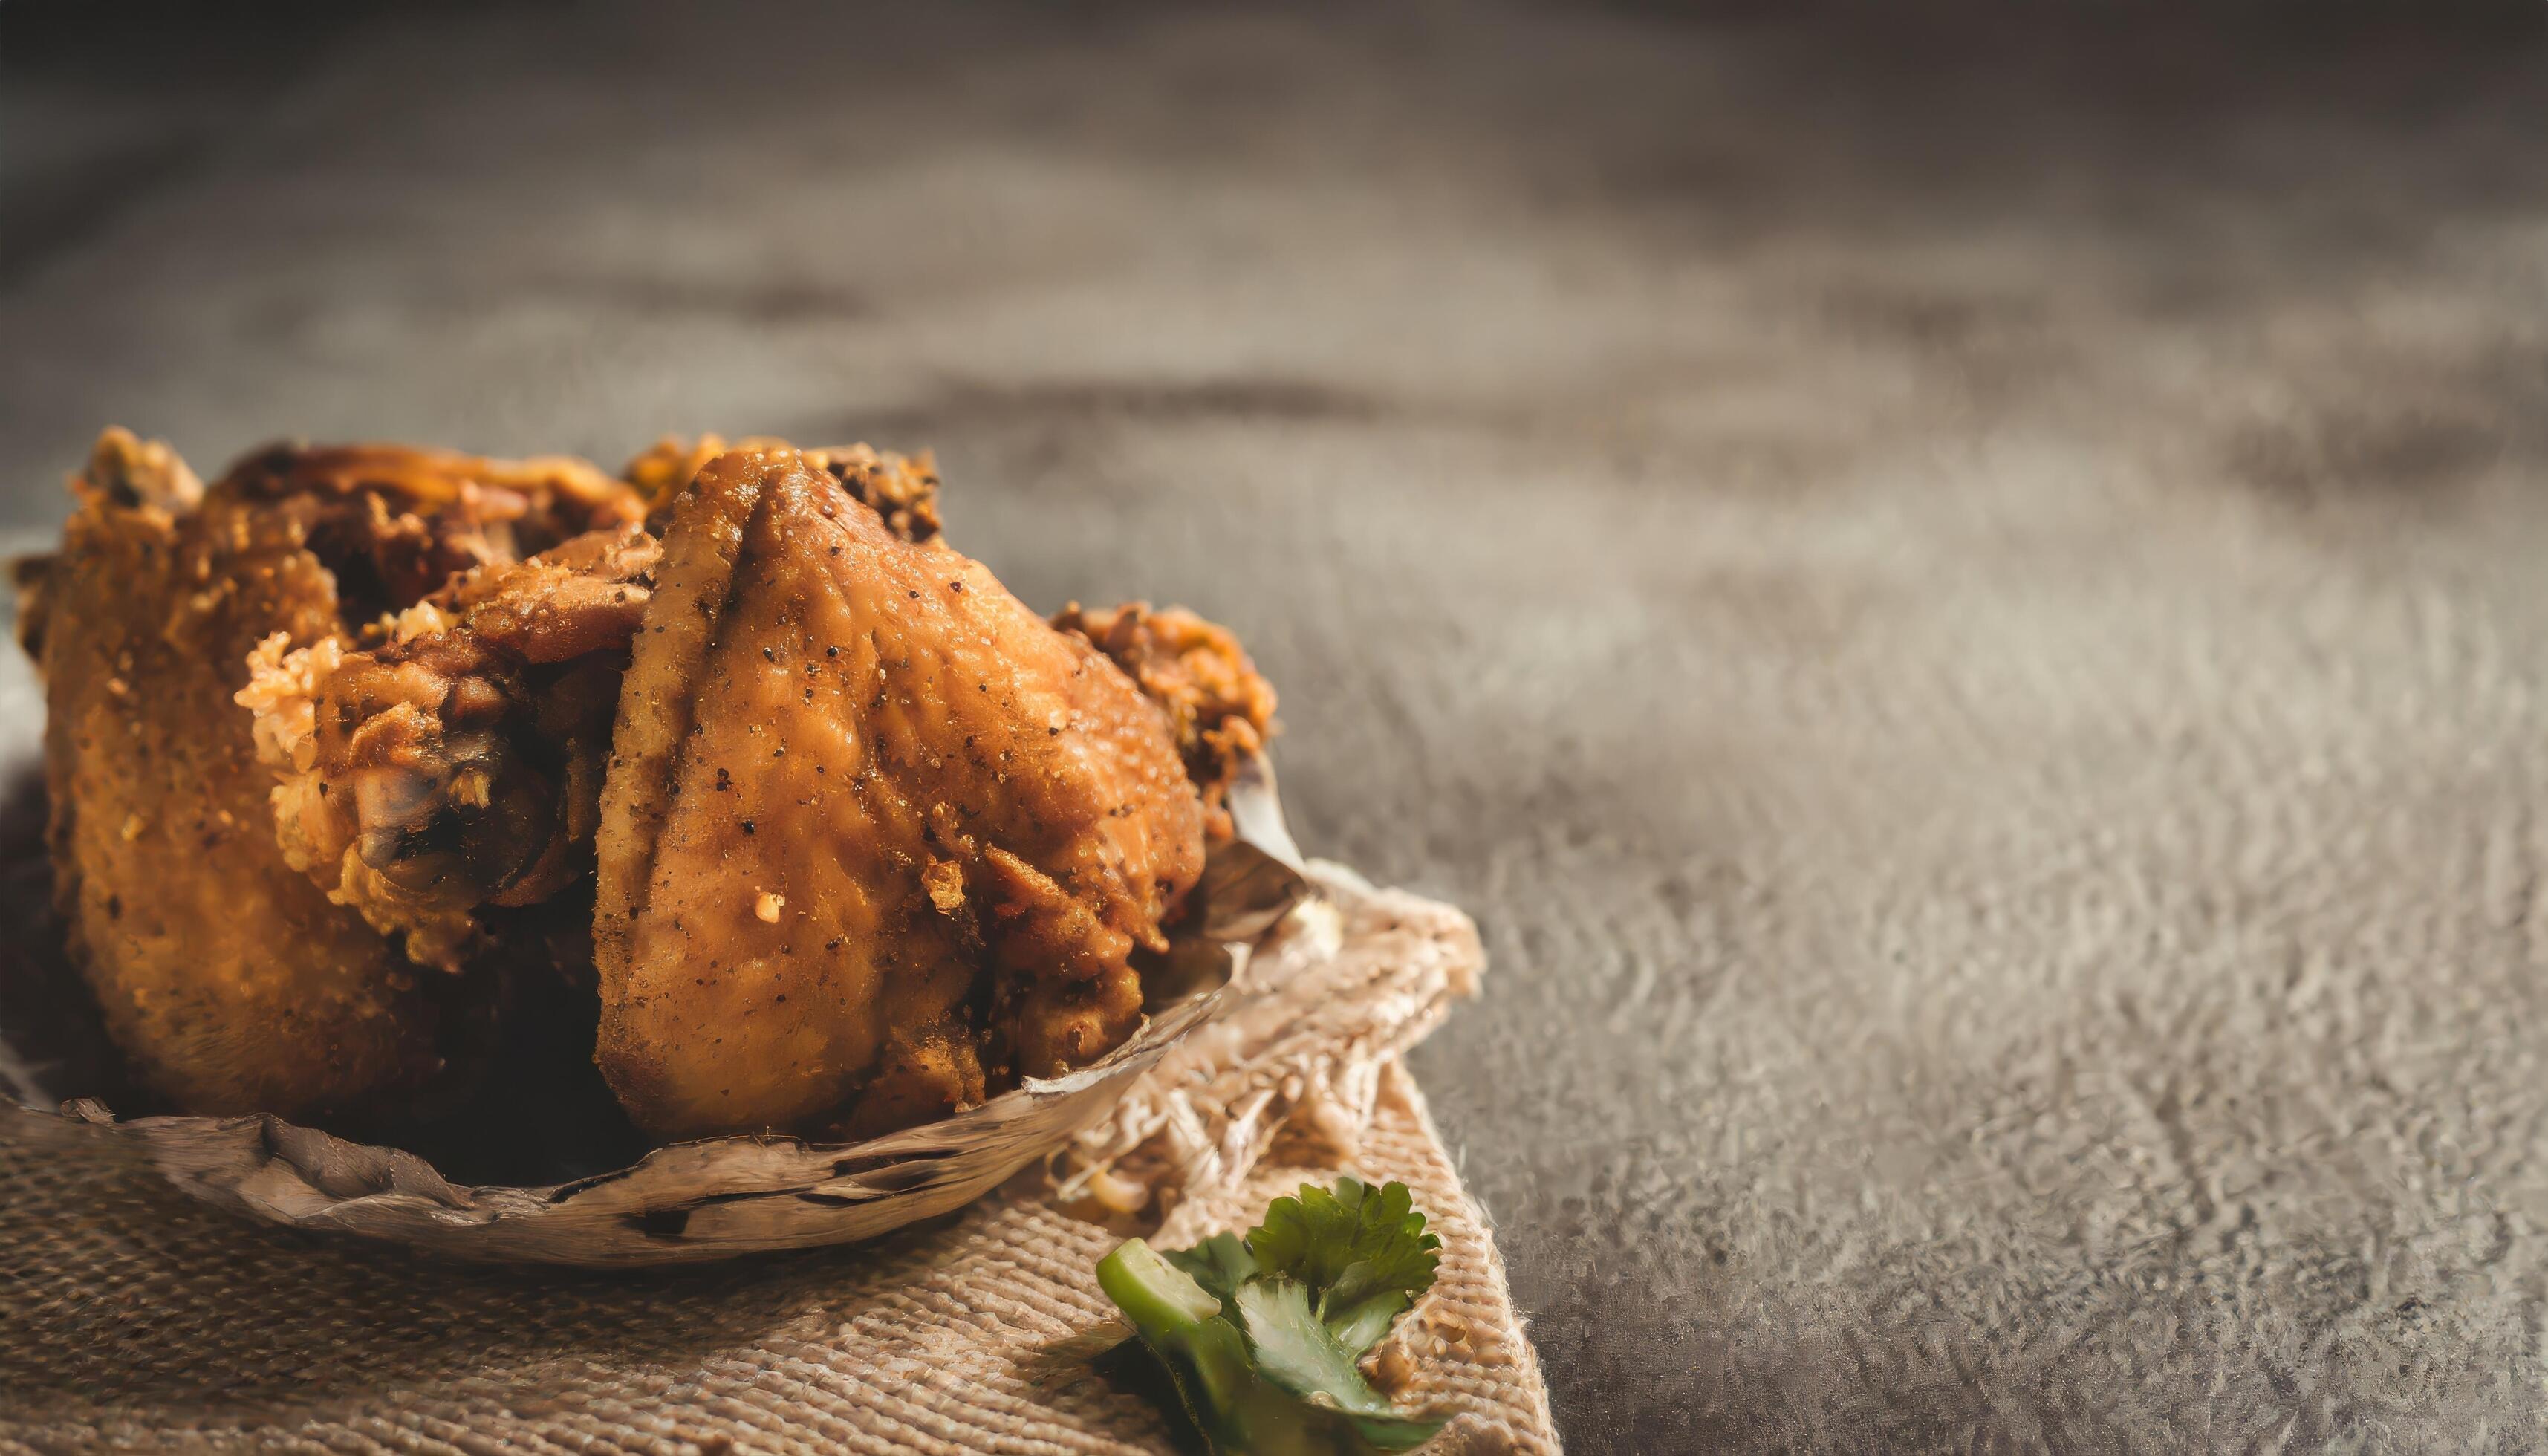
231, 982
874, 834
126, 472
458, 764
1221, 710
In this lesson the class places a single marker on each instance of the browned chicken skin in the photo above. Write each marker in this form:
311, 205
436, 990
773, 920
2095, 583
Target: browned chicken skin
902, 490
231, 982
874, 834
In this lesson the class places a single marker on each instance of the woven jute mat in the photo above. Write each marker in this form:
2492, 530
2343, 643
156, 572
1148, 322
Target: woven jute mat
134, 1318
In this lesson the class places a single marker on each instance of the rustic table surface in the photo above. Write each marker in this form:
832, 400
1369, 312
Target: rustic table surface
1963, 601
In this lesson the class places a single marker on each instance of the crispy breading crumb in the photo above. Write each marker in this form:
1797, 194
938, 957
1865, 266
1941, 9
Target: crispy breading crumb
282, 691
422, 619
945, 882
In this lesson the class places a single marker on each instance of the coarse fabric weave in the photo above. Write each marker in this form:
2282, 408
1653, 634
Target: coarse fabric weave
131, 1317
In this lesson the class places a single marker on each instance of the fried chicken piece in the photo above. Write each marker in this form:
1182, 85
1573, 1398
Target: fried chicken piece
232, 982
893, 935
874, 834
457, 764
1221, 710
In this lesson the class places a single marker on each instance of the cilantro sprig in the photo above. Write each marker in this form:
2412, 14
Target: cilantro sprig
1264, 1335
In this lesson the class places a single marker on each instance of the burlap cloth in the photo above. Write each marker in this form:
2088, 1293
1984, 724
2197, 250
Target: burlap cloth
133, 1317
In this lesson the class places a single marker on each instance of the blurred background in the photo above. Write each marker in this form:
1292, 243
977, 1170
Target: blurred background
1960, 589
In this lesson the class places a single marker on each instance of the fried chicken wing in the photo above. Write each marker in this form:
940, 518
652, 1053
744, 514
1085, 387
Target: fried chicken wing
231, 982
861, 838
456, 765
874, 836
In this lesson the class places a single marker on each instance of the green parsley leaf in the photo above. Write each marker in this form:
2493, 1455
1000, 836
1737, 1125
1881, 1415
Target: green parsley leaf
1361, 1251
1219, 1264
1263, 1336
1295, 1350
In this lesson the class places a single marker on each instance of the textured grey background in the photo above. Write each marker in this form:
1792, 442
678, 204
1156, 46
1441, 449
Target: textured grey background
1961, 595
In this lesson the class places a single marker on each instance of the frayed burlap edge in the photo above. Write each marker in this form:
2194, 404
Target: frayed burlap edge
134, 1319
